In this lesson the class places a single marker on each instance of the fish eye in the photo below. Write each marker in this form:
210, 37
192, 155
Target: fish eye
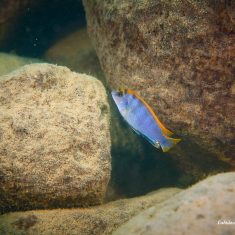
120, 92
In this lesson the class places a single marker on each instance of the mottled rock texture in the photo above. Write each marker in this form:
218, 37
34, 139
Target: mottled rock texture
194, 211
99, 220
54, 139
10, 62
77, 52
178, 55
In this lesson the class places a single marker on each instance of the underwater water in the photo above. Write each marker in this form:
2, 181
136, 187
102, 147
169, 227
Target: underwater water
41, 27
77, 147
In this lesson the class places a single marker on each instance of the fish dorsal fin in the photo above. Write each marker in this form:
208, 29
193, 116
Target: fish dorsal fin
163, 128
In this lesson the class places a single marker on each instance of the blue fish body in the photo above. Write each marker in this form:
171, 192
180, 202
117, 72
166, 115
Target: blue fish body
143, 120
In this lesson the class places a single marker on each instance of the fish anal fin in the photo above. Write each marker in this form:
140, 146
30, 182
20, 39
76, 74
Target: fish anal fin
174, 140
169, 143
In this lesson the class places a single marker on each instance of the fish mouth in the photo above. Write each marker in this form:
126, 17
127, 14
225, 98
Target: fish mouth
113, 93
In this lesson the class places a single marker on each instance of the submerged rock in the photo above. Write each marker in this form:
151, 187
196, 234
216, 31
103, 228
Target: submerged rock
128, 149
179, 56
54, 139
201, 209
99, 220
76, 52
10, 62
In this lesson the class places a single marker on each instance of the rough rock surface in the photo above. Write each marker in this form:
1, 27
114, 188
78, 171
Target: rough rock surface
99, 220
55, 141
178, 55
9, 62
198, 210
77, 52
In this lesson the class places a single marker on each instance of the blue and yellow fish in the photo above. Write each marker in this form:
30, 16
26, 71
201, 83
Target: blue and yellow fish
140, 116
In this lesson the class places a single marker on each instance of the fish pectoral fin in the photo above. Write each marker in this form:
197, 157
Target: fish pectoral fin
169, 143
157, 145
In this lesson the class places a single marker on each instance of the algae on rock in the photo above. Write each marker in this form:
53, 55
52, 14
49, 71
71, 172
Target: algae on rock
98, 220
179, 56
55, 140
196, 210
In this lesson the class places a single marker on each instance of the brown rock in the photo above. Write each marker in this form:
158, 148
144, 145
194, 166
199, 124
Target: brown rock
99, 220
77, 52
179, 56
55, 142
201, 209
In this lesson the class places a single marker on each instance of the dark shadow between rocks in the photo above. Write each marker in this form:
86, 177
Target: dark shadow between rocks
139, 168
195, 162
40, 26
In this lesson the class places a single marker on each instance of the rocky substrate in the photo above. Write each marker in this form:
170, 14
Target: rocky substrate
55, 132
99, 220
205, 208
76, 52
54, 139
179, 56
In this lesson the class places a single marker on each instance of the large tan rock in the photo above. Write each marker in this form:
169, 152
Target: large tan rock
178, 55
204, 208
55, 141
99, 220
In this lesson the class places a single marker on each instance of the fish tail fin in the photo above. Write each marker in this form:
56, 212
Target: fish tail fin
168, 143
